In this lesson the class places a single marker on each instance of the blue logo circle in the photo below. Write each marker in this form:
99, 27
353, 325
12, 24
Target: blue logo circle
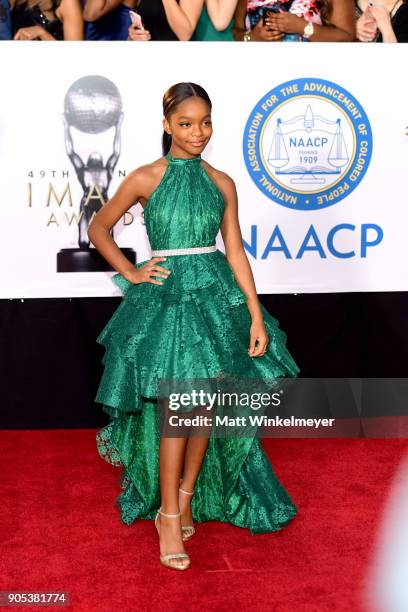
307, 144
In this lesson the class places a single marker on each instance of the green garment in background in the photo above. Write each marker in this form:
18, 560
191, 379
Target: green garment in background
206, 31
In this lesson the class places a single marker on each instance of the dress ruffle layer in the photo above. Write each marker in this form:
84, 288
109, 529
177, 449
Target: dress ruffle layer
236, 484
194, 326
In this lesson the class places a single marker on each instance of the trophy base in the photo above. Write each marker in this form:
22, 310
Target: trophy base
88, 260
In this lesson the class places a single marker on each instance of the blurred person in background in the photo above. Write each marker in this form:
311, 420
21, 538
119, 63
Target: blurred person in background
47, 20
216, 20
108, 19
382, 21
5, 20
303, 20
166, 19
200, 20
385, 588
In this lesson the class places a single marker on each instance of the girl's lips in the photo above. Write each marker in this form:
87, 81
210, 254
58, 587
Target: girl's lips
197, 144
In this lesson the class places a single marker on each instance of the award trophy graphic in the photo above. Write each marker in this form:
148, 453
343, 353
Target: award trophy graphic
92, 105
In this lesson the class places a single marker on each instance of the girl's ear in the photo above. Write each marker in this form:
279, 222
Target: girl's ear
166, 126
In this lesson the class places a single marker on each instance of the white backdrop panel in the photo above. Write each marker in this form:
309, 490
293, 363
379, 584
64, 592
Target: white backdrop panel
36, 77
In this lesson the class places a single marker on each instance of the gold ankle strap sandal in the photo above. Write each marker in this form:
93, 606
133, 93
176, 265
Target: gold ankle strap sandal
164, 559
188, 530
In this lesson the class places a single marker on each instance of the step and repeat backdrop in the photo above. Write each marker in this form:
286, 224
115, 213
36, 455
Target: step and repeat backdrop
317, 148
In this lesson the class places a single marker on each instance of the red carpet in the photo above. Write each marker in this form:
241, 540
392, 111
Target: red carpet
61, 532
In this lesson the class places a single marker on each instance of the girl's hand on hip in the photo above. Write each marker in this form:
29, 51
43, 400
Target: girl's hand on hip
146, 272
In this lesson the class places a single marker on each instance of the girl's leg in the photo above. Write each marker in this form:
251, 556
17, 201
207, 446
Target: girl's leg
196, 448
171, 459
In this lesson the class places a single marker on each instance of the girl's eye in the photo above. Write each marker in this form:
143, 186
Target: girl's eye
184, 124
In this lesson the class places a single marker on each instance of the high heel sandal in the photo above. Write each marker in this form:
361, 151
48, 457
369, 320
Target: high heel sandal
164, 559
188, 530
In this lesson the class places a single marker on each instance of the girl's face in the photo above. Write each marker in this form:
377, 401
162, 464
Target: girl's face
190, 127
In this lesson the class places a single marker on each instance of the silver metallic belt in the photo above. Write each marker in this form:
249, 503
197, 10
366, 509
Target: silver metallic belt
188, 251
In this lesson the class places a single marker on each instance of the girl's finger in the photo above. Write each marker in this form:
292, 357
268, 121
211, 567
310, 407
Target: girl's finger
261, 347
367, 35
150, 264
252, 346
155, 272
262, 344
160, 269
154, 282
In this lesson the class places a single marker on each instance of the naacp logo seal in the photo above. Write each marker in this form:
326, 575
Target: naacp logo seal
307, 144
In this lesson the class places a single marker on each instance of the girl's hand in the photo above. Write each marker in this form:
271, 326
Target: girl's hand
261, 33
287, 23
381, 16
366, 27
258, 333
144, 274
31, 33
136, 33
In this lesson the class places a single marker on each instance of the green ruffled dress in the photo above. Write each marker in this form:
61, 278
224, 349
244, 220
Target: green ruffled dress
194, 326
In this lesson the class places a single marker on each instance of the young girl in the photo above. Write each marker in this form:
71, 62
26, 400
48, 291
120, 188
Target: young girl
189, 312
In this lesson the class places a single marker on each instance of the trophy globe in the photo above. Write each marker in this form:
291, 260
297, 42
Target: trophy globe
92, 105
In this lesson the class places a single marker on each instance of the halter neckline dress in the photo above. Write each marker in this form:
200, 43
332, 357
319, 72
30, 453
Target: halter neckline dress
194, 326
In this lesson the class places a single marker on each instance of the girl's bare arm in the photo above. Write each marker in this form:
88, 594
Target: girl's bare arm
221, 12
134, 187
236, 256
183, 16
70, 13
